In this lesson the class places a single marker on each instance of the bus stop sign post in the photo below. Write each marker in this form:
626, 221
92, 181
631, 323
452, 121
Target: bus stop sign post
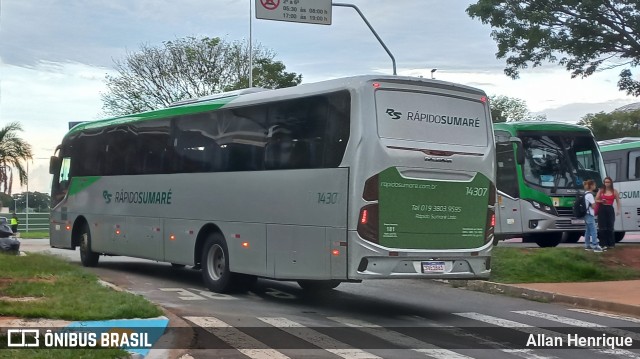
311, 12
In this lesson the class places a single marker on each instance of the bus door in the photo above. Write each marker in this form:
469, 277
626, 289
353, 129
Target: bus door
508, 212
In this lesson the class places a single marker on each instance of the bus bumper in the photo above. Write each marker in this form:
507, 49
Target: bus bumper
371, 261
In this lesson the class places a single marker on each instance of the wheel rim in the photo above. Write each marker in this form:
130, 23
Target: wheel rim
216, 262
84, 245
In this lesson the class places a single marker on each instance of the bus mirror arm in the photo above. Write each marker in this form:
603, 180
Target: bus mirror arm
519, 150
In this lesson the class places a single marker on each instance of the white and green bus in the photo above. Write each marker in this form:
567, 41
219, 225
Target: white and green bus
622, 161
541, 166
339, 181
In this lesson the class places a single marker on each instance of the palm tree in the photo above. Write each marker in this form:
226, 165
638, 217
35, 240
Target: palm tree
14, 151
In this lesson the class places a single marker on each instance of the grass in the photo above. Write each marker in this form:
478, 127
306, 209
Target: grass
64, 291
34, 234
60, 353
552, 265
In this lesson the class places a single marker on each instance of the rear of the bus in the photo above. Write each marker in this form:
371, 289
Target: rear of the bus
423, 185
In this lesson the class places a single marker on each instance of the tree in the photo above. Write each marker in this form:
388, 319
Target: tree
508, 109
154, 77
13, 152
616, 124
583, 36
38, 201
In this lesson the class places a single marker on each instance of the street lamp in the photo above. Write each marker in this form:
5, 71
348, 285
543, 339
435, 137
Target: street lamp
432, 71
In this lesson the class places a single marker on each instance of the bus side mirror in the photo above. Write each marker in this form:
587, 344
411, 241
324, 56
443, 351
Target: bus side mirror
54, 164
519, 149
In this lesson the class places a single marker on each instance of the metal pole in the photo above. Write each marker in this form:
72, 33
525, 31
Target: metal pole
27, 209
393, 60
250, 47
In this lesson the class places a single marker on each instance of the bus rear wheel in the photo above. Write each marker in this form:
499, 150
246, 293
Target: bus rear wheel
546, 240
215, 264
619, 236
87, 256
318, 285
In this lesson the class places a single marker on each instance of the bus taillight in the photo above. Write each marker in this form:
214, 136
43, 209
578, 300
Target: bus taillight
368, 223
370, 192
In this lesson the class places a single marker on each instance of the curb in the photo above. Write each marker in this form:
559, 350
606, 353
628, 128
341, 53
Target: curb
542, 296
172, 339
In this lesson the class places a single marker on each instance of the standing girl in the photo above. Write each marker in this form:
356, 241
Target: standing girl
590, 234
606, 214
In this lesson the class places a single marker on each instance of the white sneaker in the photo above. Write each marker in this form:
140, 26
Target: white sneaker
598, 250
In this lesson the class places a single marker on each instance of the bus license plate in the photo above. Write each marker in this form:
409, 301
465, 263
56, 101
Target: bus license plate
577, 221
432, 267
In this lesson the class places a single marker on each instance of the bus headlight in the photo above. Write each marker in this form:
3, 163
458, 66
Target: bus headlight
543, 207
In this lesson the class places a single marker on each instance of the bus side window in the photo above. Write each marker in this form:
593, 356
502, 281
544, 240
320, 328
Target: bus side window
634, 165
612, 170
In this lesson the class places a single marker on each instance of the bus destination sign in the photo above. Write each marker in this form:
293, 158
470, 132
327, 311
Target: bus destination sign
305, 11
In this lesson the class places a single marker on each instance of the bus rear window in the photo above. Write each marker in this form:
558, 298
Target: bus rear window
435, 118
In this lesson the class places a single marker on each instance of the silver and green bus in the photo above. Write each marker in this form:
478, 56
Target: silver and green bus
541, 167
349, 179
622, 161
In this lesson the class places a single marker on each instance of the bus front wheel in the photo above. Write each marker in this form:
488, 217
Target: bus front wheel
318, 285
619, 236
215, 264
87, 256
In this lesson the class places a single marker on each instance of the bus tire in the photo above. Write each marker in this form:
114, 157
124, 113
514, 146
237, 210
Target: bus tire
87, 256
215, 264
619, 236
571, 237
318, 285
546, 240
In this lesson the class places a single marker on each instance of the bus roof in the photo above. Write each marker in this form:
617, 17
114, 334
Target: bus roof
517, 126
611, 145
213, 102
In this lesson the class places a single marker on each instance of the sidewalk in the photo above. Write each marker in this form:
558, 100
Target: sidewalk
622, 297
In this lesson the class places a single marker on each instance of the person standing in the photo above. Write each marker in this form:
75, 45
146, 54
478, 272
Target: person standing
606, 196
590, 233
14, 223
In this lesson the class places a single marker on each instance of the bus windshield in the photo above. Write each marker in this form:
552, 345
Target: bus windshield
561, 161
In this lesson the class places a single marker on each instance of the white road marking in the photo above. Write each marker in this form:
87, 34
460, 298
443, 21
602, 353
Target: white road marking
580, 323
318, 339
399, 339
525, 328
244, 343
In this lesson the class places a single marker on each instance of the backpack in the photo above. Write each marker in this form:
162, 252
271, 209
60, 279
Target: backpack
579, 206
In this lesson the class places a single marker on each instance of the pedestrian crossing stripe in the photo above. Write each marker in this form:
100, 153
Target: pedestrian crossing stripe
539, 331
256, 349
607, 315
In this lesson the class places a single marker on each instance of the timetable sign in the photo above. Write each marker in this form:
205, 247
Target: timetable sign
306, 11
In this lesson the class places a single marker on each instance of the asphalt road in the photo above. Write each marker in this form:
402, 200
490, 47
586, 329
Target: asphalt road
374, 319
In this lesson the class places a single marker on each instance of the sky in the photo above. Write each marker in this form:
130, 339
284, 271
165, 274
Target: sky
55, 54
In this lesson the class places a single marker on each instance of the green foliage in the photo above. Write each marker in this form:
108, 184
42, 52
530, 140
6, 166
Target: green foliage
14, 152
39, 202
6, 200
616, 124
154, 77
507, 109
584, 36
554, 265
66, 291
